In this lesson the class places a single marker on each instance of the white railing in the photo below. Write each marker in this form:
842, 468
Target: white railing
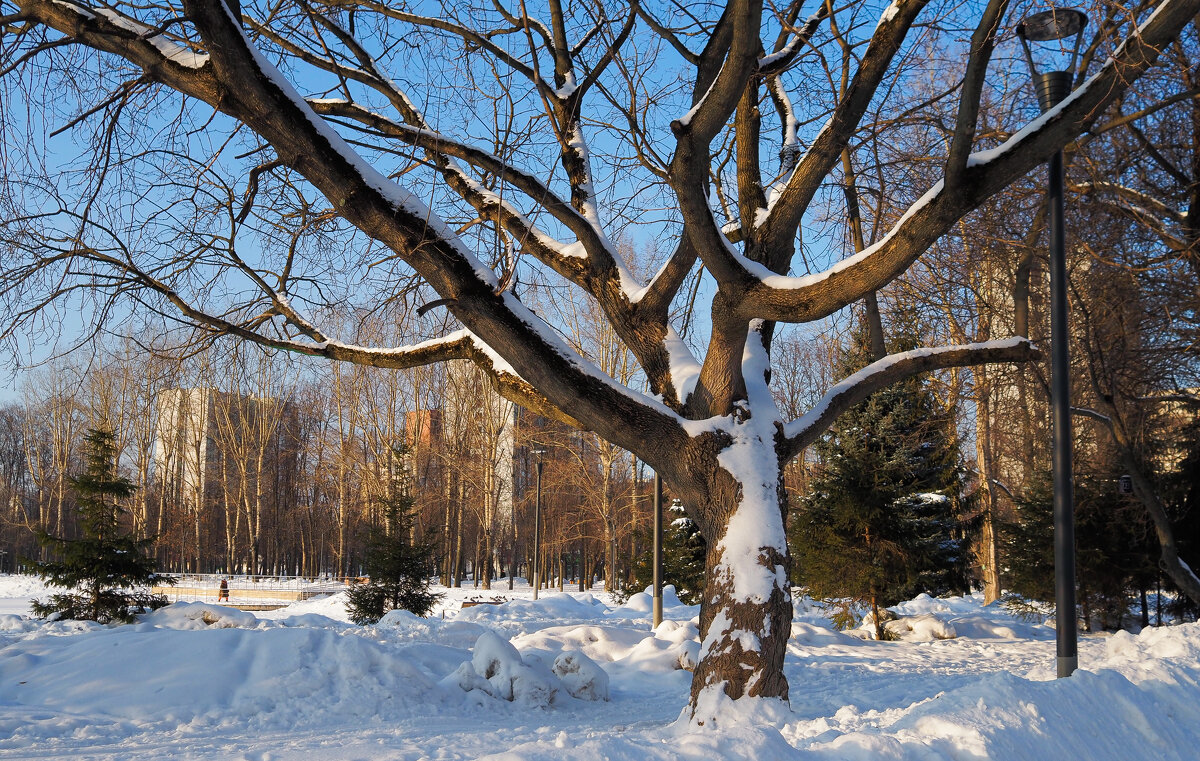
206, 587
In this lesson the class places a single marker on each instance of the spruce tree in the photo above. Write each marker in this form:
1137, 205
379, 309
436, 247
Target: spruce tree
397, 563
1114, 551
878, 525
683, 557
106, 569
1182, 486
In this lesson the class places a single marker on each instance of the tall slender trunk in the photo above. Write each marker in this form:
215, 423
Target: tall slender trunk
475, 563
230, 520
487, 559
582, 565
456, 566
447, 535
983, 457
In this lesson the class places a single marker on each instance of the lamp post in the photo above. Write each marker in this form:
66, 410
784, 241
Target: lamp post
1053, 32
658, 555
537, 526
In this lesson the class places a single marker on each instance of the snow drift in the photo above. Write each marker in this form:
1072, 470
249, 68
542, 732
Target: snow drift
577, 678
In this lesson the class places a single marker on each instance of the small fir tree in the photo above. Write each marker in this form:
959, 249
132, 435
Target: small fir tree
878, 525
683, 557
397, 563
106, 569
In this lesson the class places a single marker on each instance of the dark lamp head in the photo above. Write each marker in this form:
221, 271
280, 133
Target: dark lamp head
1054, 24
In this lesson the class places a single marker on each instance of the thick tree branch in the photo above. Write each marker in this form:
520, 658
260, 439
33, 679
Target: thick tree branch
781, 223
815, 296
982, 44
805, 431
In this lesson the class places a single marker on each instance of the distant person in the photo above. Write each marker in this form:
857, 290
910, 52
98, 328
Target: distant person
224, 593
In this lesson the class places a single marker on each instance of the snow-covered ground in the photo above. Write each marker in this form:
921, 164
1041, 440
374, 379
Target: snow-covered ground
198, 681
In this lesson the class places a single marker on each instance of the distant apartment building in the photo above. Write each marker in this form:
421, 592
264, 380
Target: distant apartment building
197, 427
494, 444
423, 428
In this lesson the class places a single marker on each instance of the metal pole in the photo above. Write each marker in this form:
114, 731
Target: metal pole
1052, 87
658, 557
537, 532
1060, 401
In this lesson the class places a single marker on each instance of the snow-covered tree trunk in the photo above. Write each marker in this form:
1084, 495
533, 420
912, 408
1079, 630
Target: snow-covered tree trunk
746, 612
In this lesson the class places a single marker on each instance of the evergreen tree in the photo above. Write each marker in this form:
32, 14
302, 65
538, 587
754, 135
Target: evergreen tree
397, 563
879, 525
1115, 548
1183, 498
683, 557
107, 570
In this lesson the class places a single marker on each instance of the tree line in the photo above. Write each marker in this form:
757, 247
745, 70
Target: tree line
298, 459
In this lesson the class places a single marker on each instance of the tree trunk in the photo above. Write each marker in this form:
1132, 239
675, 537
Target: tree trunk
487, 559
983, 456
746, 613
582, 565
456, 565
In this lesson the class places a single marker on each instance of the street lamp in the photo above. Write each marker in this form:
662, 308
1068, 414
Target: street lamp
1056, 35
537, 525
658, 554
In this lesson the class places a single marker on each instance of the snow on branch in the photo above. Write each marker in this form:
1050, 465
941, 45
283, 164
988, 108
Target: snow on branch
1093, 414
811, 170
774, 63
162, 57
986, 173
172, 50
805, 430
1141, 201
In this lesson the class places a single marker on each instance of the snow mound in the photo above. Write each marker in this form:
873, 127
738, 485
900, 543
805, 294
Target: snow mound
601, 642
812, 635
400, 618
982, 627
403, 626
312, 620
496, 669
641, 605
1137, 652
674, 645
267, 679
581, 676
924, 604
517, 616
197, 615
330, 606
12, 623
923, 628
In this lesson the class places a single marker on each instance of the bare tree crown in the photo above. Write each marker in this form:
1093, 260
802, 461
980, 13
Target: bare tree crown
329, 95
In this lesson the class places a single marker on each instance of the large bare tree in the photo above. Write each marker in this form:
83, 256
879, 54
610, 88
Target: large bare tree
448, 153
